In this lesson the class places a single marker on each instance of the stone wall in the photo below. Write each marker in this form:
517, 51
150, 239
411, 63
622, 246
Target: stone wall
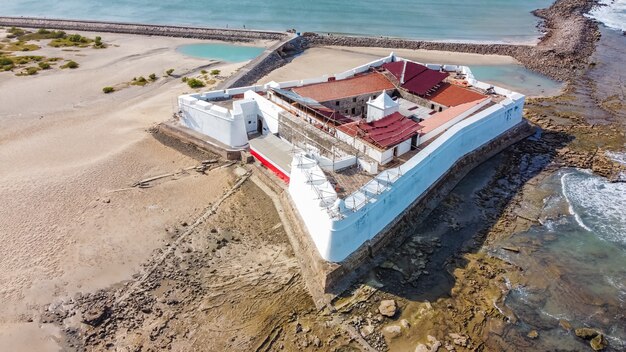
358, 103
340, 276
239, 35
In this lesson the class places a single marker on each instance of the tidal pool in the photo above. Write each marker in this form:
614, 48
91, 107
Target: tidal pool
517, 78
222, 52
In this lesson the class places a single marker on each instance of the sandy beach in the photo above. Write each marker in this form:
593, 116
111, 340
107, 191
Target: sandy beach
66, 147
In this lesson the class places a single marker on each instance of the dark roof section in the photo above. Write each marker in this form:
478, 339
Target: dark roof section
417, 79
384, 133
424, 82
395, 68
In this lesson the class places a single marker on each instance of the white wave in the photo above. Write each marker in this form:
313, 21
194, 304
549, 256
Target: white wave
571, 208
610, 12
597, 205
619, 157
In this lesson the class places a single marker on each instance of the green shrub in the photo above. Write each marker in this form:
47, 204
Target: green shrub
43, 31
152, 77
44, 65
32, 70
139, 81
70, 64
203, 72
108, 90
169, 72
75, 38
5, 61
184, 79
58, 34
215, 72
195, 83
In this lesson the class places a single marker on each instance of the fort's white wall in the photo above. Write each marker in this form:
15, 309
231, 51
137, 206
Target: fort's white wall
340, 229
214, 121
268, 111
337, 164
404, 147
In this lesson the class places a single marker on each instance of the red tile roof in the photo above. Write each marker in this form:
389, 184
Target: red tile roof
424, 82
453, 95
384, 133
364, 84
416, 78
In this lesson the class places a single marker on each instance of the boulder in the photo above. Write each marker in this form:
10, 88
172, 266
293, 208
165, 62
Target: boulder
565, 325
458, 339
533, 334
388, 308
367, 330
586, 333
405, 323
392, 331
96, 315
598, 343
422, 348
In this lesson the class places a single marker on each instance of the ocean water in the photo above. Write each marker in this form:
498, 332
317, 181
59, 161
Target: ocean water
222, 52
612, 13
468, 20
575, 262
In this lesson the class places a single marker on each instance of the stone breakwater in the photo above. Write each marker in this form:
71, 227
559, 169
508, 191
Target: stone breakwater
239, 35
563, 51
273, 58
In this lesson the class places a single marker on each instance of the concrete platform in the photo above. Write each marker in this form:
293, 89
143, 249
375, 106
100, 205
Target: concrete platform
274, 153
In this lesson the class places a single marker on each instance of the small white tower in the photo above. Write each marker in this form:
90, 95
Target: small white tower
380, 107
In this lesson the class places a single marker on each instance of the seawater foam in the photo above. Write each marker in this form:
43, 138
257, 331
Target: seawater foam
610, 12
597, 205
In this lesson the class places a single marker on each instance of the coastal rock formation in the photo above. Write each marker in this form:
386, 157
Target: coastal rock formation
387, 308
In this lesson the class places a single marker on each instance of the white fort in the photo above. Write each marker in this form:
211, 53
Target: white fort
359, 147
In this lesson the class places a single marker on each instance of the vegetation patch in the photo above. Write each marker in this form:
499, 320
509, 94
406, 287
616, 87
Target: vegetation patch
75, 40
70, 64
139, 81
18, 46
58, 38
108, 90
195, 83
215, 72
169, 72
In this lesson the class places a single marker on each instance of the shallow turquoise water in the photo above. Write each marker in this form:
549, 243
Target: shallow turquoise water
517, 78
468, 20
222, 52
